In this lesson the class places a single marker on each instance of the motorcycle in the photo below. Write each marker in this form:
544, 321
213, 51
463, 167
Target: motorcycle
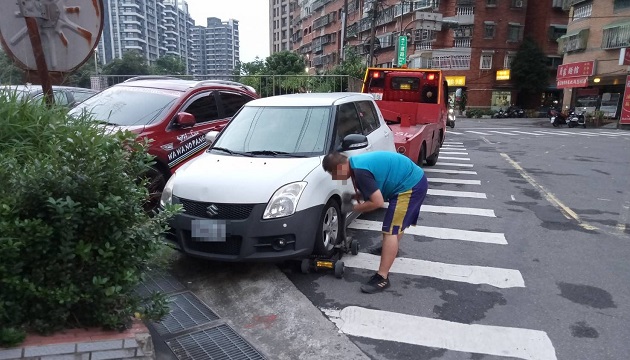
500, 114
451, 118
557, 118
515, 112
577, 119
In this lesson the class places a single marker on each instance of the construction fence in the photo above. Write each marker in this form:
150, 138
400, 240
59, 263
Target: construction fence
265, 85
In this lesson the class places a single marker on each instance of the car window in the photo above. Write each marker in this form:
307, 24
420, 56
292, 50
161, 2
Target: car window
233, 102
204, 109
347, 121
295, 130
80, 96
368, 117
60, 98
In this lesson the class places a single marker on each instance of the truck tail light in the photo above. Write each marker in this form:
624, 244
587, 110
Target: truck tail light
431, 77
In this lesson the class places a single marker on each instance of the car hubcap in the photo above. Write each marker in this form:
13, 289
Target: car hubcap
330, 228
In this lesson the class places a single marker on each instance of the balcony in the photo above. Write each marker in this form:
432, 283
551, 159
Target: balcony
616, 35
573, 41
465, 16
462, 43
566, 4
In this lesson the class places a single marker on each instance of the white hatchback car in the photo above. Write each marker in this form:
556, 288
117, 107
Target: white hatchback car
260, 192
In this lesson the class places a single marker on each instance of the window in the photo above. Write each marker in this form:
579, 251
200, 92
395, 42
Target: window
80, 96
515, 32
501, 99
507, 61
405, 83
486, 62
368, 117
621, 4
347, 122
616, 35
582, 11
489, 28
204, 109
232, 102
491, 2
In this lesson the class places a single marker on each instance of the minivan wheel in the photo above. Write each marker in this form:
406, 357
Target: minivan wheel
330, 229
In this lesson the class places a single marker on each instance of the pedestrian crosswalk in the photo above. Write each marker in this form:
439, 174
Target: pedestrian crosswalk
388, 325
576, 132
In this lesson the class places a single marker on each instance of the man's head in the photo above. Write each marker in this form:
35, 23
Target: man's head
337, 165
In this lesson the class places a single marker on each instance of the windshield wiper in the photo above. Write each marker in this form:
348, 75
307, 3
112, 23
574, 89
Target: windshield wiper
272, 152
231, 152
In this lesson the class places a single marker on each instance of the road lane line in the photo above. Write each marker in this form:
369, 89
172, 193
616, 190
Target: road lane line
436, 333
453, 132
503, 133
451, 152
436, 232
455, 210
454, 158
460, 194
552, 133
453, 143
527, 133
565, 210
445, 171
497, 277
477, 132
455, 181
454, 164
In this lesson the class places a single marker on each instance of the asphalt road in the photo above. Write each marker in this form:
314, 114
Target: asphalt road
521, 252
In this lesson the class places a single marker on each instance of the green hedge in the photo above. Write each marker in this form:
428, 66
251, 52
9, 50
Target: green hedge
478, 112
74, 239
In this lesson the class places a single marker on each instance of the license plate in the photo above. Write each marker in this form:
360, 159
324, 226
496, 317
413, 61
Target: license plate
377, 96
208, 230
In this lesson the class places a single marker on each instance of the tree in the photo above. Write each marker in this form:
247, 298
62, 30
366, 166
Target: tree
81, 76
10, 74
529, 72
169, 65
256, 67
285, 63
132, 63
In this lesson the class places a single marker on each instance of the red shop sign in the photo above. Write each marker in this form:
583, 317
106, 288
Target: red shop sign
625, 107
578, 69
572, 83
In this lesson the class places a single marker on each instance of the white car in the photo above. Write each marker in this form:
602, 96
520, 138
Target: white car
260, 192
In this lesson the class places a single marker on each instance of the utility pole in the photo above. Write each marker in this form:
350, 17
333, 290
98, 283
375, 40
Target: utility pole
345, 30
375, 4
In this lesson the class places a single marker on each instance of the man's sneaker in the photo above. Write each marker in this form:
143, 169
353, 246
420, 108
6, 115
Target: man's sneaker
375, 284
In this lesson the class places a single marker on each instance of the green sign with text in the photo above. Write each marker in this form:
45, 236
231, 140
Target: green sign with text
402, 50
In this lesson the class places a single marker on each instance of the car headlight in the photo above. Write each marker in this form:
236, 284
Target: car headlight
450, 111
167, 193
284, 200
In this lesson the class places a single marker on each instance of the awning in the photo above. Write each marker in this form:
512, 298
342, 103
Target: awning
616, 24
581, 34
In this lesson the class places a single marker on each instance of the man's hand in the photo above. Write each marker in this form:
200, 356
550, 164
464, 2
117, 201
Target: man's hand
346, 202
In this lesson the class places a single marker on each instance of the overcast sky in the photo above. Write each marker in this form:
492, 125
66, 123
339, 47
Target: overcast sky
253, 18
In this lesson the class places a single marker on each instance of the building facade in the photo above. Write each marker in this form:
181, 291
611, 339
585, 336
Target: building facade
216, 47
155, 28
472, 41
280, 18
591, 75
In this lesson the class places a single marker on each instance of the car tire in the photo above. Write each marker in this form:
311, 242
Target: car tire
157, 182
329, 230
422, 155
432, 160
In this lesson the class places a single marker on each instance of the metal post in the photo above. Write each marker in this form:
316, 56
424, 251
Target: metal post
40, 58
373, 30
345, 31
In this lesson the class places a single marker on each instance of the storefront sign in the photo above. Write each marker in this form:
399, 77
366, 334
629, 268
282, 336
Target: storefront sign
572, 83
625, 107
624, 56
503, 74
456, 80
577, 69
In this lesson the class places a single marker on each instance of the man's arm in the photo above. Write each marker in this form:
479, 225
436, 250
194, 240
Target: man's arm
372, 195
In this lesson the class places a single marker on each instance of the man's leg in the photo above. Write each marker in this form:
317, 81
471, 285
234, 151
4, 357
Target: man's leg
388, 255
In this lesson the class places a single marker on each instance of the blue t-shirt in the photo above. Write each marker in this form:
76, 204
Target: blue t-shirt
390, 172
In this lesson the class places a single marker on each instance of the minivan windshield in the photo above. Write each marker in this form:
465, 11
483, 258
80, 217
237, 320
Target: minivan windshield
276, 131
127, 106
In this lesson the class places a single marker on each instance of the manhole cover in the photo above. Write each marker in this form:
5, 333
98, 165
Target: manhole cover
159, 282
186, 311
220, 342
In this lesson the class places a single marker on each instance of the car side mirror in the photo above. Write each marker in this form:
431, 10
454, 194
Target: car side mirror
211, 136
354, 142
185, 119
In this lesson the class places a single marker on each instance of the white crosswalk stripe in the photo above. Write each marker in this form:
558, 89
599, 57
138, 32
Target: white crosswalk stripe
454, 158
435, 333
453, 132
456, 164
527, 133
477, 132
451, 152
460, 194
455, 210
454, 181
502, 132
446, 171
453, 143
562, 132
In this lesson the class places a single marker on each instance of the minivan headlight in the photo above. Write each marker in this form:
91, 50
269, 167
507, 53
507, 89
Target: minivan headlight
284, 200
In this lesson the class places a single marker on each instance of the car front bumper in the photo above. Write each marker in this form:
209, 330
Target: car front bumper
247, 236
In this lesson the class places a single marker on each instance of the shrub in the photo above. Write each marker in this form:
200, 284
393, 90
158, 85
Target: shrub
74, 239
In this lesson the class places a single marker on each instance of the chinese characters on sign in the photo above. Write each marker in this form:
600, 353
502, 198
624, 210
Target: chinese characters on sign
578, 69
572, 82
456, 80
625, 107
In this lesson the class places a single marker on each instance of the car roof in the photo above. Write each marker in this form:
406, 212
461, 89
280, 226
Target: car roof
171, 83
310, 99
38, 88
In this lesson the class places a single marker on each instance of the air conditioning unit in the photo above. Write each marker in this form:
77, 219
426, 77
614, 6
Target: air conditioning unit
518, 3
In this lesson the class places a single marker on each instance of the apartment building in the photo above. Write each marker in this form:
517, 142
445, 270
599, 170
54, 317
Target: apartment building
473, 42
216, 47
591, 74
280, 18
153, 27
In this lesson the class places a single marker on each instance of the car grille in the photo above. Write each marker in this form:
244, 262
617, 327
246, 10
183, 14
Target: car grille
231, 245
225, 211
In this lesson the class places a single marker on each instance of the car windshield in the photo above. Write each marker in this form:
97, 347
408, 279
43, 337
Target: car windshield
274, 131
127, 106
8, 93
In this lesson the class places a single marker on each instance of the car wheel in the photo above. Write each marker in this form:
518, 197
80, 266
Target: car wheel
330, 229
156, 184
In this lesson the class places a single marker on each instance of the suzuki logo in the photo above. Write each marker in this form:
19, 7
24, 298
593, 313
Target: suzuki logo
212, 210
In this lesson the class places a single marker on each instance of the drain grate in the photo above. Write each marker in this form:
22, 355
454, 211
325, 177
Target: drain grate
186, 311
159, 282
220, 342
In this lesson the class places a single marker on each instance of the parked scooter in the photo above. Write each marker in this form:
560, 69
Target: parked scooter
500, 114
577, 119
557, 118
451, 118
515, 112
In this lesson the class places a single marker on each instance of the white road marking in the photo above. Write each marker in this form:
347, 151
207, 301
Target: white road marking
527, 133
454, 158
462, 194
455, 181
456, 210
512, 197
454, 164
552, 133
436, 232
453, 143
502, 133
453, 132
578, 133
477, 132
470, 338
451, 152
497, 277
445, 171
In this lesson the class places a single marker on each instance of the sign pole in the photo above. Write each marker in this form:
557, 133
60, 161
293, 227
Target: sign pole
40, 59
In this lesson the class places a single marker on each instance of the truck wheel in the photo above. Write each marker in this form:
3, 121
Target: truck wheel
330, 229
422, 154
432, 160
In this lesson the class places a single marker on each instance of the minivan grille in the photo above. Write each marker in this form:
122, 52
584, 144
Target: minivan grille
224, 212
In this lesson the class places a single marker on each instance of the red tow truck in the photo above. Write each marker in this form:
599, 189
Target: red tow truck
414, 103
